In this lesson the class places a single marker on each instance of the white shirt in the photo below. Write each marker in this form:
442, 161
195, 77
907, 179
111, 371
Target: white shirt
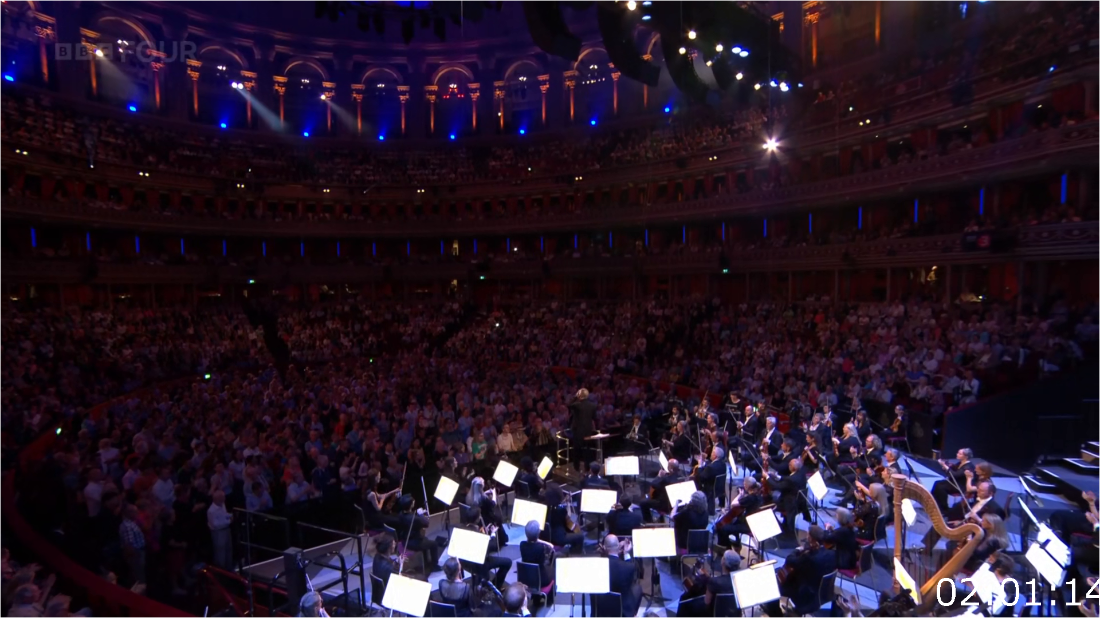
93, 496
978, 505
217, 518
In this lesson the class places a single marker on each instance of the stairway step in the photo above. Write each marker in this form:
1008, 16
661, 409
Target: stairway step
1037, 483
1081, 465
1089, 456
1093, 446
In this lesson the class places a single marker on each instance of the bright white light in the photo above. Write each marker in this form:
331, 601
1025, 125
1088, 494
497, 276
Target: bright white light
771, 145
736, 49
99, 53
773, 83
683, 50
756, 87
233, 84
708, 63
630, 6
718, 47
744, 53
739, 76
691, 35
323, 97
783, 86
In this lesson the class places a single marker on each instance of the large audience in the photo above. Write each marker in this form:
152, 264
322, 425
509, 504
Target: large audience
140, 478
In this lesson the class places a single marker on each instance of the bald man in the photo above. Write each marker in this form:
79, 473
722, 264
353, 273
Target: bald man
622, 574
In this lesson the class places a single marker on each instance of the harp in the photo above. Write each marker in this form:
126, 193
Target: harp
904, 488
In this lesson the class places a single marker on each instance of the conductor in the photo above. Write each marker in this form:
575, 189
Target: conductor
583, 412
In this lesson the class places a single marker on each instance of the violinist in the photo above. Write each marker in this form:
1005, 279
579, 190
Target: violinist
412, 526
791, 488
375, 504
488, 509
801, 575
731, 561
558, 515
872, 504
900, 427
783, 457
384, 563
842, 537
454, 590
955, 470
705, 474
828, 419
681, 443
529, 476
772, 437
536, 551
658, 497
472, 520
863, 424
749, 499
621, 520
867, 460
690, 516
812, 455
750, 427
622, 574
846, 448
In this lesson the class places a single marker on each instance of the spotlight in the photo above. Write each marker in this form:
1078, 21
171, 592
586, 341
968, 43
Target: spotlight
8, 77
739, 76
592, 122
718, 48
630, 6
667, 109
233, 85
523, 131
98, 53
647, 17
132, 108
783, 86
381, 137
744, 53
646, 3
709, 63
323, 97
799, 84
224, 126
771, 145
305, 133
692, 35
1051, 70
773, 83
736, 49
683, 50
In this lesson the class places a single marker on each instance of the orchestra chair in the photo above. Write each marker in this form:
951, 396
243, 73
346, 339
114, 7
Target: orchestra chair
441, 610
530, 575
698, 546
720, 488
894, 441
377, 591
725, 604
826, 594
523, 490
607, 605
853, 574
696, 606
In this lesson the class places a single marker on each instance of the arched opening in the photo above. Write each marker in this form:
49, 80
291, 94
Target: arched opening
218, 102
124, 72
454, 106
595, 87
305, 111
381, 103
522, 98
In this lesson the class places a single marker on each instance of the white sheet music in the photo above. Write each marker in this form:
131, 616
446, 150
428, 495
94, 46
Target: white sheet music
621, 466
584, 575
445, 491
755, 585
599, 501
524, 511
468, 545
406, 595
653, 542
505, 473
763, 524
681, 492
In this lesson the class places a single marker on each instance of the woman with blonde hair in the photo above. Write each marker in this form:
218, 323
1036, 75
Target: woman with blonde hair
995, 541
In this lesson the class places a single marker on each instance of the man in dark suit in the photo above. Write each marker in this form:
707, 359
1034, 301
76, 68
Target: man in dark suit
781, 462
842, 537
706, 475
623, 574
660, 496
583, 412
771, 436
623, 521
790, 488
681, 444
529, 477
750, 428
955, 471
973, 510
805, 570
594, 480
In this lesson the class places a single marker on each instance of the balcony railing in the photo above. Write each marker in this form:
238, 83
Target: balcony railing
1073, 146
1078, 240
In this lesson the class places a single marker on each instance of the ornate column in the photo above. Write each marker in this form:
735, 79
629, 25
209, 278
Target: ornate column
498, 96
88, 39
544, 88
571, 84
615, 75
475, 93
430, 93
46, 34
811, 13
357, 94
156, 66
403, 96
878, 24
280, 89
249, 83
193, 67
645, 88
330, 94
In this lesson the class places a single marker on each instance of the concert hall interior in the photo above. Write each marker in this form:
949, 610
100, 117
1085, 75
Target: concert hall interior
468, 308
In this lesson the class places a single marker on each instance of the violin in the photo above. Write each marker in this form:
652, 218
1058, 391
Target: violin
896, 426
695, 584
764, 469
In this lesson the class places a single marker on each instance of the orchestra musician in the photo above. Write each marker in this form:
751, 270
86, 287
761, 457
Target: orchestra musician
749, 499
537, 551
706, 474
681, 444
621, 520
771, 437
872, 509
984, 502
472, 520
802, 574
412, 526
529, 476
783, 457
487, 507
623, 575
731, 561
867, 460
454, 590
374, 503
750, 427
384, 563
900, 427
583, 414
636, 433
863, 424
558, 515
846, 448
812, 455
841, 537
690, 516
956, 470
658, 498
828, 420
515, 601
790, 488
594, 480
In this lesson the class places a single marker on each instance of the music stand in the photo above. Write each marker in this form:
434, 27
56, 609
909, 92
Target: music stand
906, 581
653, 543
908, 511
468, 545
816, 483
545, 466
524, 511
763, 524
988, 588
582, 576
598, 501
505, 474
406, 595
755, 585
680, 492
626, 465
662, 460
1046, 564
445, 492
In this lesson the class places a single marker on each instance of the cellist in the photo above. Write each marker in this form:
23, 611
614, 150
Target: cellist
731, 525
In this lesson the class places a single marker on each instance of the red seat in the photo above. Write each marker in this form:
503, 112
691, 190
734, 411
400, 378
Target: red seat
547, 588
850, 573
865, 542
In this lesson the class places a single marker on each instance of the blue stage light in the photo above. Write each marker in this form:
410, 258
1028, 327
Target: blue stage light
133, 108
9, 77
224, 126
